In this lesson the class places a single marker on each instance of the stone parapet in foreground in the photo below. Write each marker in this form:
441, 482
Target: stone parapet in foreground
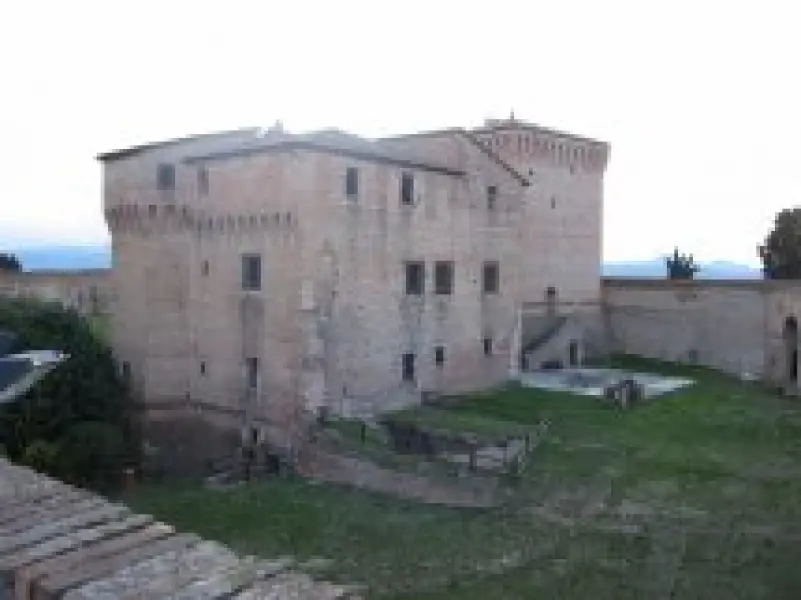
58, 541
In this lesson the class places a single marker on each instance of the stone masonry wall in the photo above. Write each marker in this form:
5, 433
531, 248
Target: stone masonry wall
715, 323
88, 291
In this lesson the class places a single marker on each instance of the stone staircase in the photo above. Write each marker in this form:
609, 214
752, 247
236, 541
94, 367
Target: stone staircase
544, 338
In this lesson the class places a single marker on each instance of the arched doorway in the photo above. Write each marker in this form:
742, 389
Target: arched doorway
790, 334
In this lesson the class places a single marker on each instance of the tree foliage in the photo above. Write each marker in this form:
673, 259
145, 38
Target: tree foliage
9, 262
680, 266
76, 423
781, 252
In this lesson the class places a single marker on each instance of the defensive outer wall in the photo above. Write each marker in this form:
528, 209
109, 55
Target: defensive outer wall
743, 327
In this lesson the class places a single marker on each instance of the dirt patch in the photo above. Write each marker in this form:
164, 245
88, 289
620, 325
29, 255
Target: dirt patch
367, 475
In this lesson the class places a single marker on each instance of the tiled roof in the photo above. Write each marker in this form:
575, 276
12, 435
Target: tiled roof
328, 140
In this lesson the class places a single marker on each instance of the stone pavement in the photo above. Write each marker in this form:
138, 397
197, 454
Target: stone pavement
57, 541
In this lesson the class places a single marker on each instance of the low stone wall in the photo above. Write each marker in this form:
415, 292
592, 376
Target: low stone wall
57, 541
88, 291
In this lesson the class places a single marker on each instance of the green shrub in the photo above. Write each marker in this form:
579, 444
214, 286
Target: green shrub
68, 406
41, 455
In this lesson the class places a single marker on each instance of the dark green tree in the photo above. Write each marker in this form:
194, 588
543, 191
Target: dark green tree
9, 262
781, 252
680, 266
77, 422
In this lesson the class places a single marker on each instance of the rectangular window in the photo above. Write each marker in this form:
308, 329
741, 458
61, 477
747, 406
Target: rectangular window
203, 368
252, 372
204, 268
439, 356
491, 277
408, 367
492, 196
352, 183
165, 177
251, 272
443, 278
202, 181
415, 278
407, 188
487, 346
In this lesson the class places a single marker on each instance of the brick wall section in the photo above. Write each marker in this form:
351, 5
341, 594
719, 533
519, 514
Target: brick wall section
57, 541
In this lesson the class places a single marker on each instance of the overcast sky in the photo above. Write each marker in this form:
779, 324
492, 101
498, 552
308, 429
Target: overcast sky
700, 100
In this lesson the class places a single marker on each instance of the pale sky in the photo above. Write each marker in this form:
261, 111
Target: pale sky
700, 100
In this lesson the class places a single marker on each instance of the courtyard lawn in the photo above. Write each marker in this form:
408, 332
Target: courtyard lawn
696, 494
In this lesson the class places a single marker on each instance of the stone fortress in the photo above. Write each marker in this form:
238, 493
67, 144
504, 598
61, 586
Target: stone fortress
261, 276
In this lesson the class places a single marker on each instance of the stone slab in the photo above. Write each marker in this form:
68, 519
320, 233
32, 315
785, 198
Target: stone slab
86, 513
42, 505
57, 541
90, 579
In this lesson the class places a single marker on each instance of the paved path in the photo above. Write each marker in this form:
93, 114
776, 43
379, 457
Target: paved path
367, 475
57, 541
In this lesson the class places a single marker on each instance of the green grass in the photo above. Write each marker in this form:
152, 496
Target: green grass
696, 471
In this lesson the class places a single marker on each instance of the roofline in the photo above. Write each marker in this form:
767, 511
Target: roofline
664, 283
311, 146
56, 272
539, 128
428, 133
473, 140
133, 150
495, 157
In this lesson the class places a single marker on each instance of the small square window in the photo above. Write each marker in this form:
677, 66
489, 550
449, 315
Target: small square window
439, 356
490, 277
165, 177
352, 183
443, 278
407, 188
407, 367
252, 372
202, 181
251, 272
487, 346
492, 196
415, 278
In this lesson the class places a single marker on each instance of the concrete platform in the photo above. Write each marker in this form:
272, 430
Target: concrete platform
591, 382
57, 541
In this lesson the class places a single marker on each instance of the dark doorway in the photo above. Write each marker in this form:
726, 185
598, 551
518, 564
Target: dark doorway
573, 352
791, 348
551, 300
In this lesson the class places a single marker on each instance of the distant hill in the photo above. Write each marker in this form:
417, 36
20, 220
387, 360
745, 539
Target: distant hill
656, 268
35, 258
68, 258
